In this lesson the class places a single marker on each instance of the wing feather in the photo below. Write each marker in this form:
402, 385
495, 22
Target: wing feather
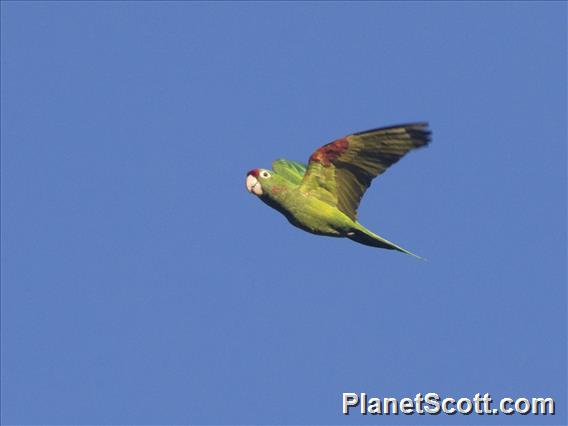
292, 171
341, 171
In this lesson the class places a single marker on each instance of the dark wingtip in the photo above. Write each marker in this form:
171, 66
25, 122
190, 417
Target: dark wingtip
418, 131
420, 125
420, 136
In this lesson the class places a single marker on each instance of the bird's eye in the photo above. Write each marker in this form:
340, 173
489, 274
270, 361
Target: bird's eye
264, 174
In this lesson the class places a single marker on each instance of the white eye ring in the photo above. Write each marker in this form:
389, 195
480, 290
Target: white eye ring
264, 174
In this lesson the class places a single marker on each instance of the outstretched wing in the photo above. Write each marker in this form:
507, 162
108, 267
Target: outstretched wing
340, 172
292, 171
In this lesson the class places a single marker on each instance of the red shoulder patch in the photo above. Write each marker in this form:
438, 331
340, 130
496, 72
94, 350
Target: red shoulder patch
327, 153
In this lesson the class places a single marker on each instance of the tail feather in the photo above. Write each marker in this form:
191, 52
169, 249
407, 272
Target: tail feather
366, 237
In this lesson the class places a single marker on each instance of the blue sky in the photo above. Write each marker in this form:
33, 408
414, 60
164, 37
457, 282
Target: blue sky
142, 284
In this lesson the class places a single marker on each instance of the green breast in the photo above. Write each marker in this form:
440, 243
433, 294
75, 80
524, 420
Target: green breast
310, 214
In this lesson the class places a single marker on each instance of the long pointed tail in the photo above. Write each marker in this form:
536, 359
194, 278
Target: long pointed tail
368, 238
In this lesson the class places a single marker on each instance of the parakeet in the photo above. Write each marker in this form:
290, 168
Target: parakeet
322, 198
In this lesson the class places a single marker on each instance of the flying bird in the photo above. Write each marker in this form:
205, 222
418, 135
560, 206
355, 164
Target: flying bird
322, 198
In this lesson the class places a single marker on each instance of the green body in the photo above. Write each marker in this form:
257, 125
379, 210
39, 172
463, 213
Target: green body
312, 215
323, 197
309, 213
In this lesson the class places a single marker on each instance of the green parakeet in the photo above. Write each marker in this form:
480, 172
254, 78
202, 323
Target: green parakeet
323, 197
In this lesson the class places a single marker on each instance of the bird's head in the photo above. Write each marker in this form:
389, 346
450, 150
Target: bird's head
258, 181
265, 183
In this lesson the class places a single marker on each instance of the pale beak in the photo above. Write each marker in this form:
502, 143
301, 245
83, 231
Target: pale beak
253, 186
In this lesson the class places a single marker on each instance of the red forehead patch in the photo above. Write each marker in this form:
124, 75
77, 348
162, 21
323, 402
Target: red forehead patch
327, 153
253, 172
